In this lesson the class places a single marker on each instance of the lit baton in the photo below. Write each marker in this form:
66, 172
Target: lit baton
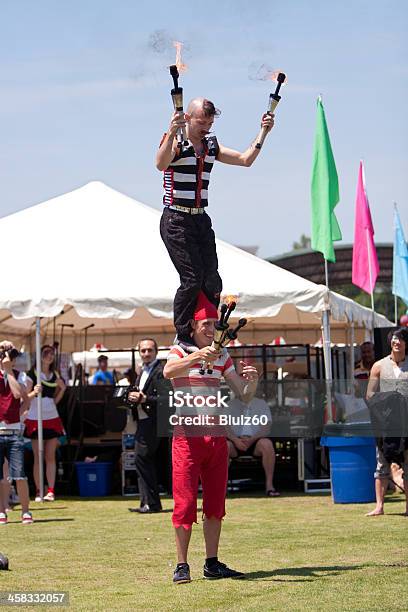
221, 328
177, 97
273, 103
232, 334
222, 334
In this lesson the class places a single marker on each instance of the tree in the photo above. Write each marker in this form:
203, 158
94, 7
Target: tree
383, 299
304, 243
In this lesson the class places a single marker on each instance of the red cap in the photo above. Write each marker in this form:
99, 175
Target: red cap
204, 309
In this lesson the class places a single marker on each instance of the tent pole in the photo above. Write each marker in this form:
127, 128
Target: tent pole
39, 407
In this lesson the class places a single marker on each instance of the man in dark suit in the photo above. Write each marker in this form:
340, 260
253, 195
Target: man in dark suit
145, 412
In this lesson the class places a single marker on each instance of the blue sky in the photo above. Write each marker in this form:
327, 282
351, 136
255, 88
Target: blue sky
84, 97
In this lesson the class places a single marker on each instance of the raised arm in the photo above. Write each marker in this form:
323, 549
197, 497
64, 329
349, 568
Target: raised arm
16, 388
168, 146
244, 386
246, 158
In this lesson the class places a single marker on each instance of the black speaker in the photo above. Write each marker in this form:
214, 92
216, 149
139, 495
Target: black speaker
381, 345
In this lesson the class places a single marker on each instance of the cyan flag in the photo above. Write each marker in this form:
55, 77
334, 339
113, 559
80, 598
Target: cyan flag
400, 261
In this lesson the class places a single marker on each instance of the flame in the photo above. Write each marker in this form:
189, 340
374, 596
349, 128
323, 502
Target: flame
264, 73
273, 76
228, 299
179, 62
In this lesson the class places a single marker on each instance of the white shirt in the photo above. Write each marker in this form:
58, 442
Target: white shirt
123, 383
146, 369
256, 408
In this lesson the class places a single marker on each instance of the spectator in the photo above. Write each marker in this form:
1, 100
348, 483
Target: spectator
145, 401
127, 378
102, 376
362, 369
13, 404
52, 389
367, 359
390, 374
253, 439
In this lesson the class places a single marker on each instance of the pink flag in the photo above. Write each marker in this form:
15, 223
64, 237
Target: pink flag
365, 262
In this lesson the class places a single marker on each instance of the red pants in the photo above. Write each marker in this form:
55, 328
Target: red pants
194, 459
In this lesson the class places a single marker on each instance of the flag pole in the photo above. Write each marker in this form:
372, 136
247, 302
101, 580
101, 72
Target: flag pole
325, 228
370, 273
39, 407
396, 310
327, 346
352, 357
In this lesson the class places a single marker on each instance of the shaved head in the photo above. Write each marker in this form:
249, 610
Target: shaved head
204, 105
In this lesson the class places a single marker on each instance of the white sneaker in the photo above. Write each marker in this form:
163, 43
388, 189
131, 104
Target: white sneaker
49, 497
3, 518
37, 498
27, 518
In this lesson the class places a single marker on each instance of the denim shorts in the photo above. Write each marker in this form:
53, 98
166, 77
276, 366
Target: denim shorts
384, 469
12, 448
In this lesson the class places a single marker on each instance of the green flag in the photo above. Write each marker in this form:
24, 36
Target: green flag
325, 191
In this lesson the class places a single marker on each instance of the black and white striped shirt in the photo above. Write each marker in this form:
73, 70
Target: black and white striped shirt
187, 177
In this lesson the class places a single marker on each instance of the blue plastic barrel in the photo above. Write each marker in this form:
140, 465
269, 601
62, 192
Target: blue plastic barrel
94, 479
352, 464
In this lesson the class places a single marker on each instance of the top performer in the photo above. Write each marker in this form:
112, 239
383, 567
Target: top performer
185, 227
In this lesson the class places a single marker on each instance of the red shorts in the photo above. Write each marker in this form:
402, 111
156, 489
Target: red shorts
194, 459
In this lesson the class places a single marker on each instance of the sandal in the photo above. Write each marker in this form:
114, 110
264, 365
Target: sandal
272, 493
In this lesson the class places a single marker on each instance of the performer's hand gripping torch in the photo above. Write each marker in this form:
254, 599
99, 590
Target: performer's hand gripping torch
177, 97
223, 335
273, 103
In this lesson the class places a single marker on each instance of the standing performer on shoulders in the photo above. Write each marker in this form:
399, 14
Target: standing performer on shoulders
185, 227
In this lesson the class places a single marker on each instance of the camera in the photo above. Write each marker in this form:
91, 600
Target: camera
121, 396
11, 353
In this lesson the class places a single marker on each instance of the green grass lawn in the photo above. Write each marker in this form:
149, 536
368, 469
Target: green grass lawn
300, 553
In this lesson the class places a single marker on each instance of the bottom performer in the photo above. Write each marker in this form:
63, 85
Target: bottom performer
202, 457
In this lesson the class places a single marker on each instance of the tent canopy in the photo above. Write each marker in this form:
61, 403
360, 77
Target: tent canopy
88, 244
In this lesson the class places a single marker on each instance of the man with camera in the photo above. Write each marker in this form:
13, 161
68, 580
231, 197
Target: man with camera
13, 404
143, 398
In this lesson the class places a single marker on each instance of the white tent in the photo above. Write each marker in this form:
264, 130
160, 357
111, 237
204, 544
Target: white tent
89, 245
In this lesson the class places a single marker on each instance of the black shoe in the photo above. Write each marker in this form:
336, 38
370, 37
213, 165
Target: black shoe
181, 573
220, 570
145, 510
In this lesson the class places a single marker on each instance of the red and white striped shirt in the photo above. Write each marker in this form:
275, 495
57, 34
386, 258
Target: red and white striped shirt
201, 386
196, 383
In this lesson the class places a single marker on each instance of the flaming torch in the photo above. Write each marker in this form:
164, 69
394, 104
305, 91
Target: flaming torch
222, 334
177, 92
279, 78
